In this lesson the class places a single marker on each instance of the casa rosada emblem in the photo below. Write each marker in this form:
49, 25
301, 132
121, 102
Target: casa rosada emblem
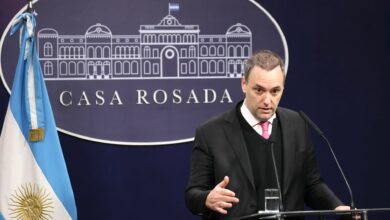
148, 74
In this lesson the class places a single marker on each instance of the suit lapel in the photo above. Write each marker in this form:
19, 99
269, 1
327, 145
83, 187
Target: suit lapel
288, 148
236, 139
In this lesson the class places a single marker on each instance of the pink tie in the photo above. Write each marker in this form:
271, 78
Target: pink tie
264, 126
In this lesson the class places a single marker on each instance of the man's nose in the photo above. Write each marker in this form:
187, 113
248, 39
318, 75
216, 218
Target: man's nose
267, 98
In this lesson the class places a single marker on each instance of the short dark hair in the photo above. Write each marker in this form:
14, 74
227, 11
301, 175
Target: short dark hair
264, 59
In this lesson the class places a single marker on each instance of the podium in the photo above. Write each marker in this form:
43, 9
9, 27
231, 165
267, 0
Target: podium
358, 214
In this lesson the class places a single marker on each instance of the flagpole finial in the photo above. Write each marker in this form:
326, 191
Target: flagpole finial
29, 6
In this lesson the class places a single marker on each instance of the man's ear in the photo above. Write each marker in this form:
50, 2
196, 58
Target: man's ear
243, 85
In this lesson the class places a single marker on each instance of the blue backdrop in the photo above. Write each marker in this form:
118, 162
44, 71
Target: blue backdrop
338, 75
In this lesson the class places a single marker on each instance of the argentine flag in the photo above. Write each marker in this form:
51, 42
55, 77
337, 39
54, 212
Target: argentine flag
34, 181
173, 7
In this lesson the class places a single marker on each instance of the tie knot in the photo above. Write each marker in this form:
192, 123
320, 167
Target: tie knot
264, 126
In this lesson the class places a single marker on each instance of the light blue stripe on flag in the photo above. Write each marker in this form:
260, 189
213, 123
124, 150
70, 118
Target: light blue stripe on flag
1, 217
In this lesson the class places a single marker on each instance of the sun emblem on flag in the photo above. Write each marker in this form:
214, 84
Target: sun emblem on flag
31, 202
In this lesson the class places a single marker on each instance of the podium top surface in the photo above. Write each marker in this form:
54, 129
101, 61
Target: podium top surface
313, 213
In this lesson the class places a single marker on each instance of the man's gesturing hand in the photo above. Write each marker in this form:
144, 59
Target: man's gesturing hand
219, 199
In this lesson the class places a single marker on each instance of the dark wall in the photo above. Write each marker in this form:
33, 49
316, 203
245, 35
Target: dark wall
338, 75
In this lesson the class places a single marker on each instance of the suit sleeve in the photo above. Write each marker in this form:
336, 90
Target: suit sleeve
317, 194
201, 180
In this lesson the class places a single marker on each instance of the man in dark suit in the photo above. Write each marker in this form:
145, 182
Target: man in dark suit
231, 162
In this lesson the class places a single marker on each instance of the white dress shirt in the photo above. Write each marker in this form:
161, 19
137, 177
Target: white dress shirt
253, 122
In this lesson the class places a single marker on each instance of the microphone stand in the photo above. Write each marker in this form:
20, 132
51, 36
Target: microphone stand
321, 134
281, 208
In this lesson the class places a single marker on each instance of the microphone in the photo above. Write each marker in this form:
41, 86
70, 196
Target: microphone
321, 134
272, 141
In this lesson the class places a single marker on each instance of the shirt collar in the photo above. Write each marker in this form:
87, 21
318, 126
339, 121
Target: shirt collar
252, 121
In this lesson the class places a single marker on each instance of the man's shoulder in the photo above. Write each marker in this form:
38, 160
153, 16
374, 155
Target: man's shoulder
290, 119
219, 119
286, 114
287, 111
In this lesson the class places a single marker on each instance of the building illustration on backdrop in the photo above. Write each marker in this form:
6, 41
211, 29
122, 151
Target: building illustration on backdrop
165, 51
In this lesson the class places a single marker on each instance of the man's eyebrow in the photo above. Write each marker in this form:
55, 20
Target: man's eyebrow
258, 86
263, 88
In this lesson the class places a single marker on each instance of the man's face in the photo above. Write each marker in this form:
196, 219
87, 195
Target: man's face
263, 91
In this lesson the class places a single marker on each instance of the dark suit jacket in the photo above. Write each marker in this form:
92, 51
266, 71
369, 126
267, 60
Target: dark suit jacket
219, 150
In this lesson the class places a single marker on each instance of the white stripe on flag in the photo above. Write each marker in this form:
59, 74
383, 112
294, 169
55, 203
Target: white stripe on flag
19, 168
